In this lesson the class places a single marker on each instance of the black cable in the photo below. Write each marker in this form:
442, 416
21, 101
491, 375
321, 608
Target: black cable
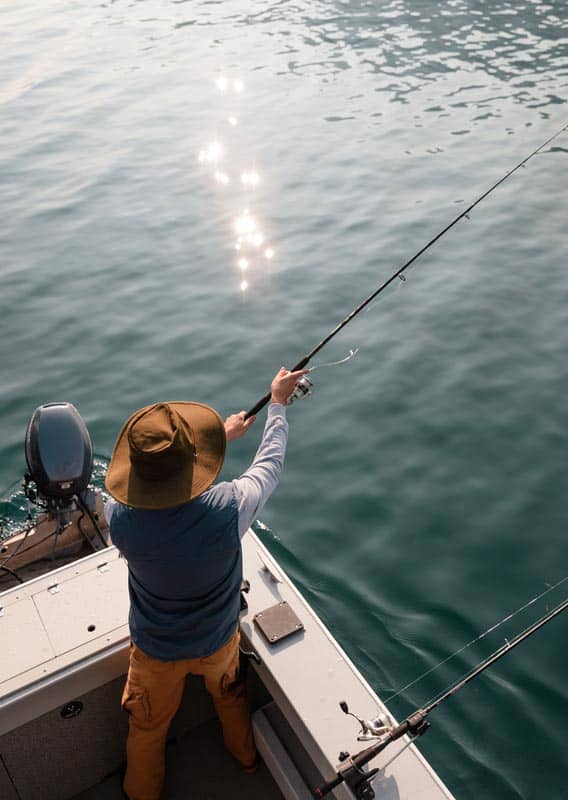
84, 533
36, 544
86, 508
20, 543
12, 573
53, 533
57, 532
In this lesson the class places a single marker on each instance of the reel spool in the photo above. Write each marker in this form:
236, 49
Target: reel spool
304, 387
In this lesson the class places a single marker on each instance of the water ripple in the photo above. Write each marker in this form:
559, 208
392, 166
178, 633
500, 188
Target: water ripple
423, 492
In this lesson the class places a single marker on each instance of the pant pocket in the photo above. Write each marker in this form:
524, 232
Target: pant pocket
231, 679
136, 703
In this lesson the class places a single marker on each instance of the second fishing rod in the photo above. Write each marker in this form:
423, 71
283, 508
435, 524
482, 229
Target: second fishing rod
351, 772
399, 273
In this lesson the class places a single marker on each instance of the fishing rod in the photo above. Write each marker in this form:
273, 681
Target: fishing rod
415, 725
304, 361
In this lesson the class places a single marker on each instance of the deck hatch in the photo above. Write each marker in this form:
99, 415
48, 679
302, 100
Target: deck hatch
278, 622
25, 643
85, 606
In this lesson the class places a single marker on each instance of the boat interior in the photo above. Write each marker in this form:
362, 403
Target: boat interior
65, 644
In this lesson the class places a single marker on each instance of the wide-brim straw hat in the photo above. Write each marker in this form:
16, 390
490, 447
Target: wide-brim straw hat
166, 454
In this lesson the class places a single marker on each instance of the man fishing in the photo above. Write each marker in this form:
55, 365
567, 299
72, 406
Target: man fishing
180, 534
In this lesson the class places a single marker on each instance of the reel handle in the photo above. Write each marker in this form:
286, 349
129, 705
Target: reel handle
266, 399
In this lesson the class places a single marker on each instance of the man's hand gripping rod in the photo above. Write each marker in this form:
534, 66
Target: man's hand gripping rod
266, 399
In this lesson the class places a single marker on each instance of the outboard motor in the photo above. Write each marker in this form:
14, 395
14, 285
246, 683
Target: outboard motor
59, 454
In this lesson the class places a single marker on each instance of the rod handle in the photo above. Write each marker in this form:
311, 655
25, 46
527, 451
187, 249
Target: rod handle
415, 724
325, 788
256, 408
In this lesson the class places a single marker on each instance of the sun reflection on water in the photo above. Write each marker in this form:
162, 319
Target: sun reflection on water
250, 178
245, 225
212, 154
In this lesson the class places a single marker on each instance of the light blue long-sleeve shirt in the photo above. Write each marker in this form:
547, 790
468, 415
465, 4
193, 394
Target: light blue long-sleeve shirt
255, 486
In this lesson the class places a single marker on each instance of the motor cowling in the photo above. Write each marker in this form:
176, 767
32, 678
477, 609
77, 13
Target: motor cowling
59, 452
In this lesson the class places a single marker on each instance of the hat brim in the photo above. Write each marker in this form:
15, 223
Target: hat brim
126, 486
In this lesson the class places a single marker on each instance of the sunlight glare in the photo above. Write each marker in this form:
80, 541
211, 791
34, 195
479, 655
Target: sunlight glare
245, 224
250, 178
250, 245
214, 152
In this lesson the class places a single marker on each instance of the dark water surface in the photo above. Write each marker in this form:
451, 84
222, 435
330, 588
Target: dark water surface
424, 496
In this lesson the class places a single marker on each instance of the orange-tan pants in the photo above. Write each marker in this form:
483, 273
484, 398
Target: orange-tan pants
152, 696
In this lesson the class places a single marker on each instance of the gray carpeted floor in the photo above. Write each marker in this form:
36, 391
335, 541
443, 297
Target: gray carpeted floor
199, 768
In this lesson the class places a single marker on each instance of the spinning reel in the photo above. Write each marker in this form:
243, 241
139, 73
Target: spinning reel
370, 728
359, 780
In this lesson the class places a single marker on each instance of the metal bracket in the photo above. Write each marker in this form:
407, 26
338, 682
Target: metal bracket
358, 780
270, 568
245, 589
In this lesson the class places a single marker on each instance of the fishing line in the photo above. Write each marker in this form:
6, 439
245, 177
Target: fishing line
495, 656
396, 755
352, 354
399, 273
494, 627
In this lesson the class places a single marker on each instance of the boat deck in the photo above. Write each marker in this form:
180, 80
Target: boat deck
199, 767
65, 653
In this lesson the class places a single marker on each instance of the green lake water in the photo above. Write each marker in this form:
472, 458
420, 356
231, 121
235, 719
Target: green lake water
424, 495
